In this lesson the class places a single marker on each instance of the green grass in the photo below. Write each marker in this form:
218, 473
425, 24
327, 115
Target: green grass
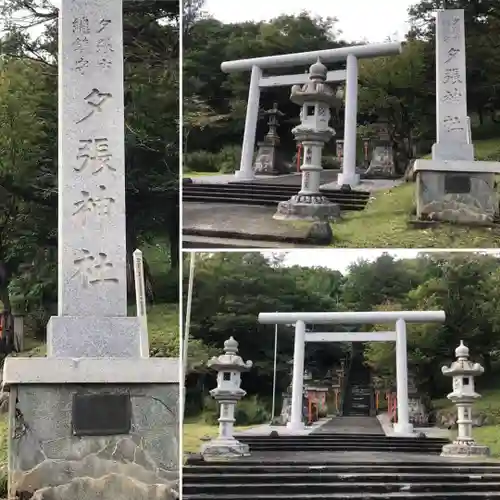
384, 222
201, 174
196, 430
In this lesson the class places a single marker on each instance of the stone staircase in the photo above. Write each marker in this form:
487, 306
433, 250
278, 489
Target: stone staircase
298, 480
358, 399
265, 194
372, 443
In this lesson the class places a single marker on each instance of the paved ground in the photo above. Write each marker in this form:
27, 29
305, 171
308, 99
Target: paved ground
266, 429
351, 425
328, 181
250, 222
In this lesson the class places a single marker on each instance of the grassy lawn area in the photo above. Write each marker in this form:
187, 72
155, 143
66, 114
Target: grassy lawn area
195, 430
200, 174
384, 224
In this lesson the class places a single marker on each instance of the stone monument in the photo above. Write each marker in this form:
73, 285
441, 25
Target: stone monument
463, 372
315, 98
452, 186
96, 418
228, 392
269, 160
382, 160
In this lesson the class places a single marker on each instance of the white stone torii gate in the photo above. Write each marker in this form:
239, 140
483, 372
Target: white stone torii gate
400, 318
258, 81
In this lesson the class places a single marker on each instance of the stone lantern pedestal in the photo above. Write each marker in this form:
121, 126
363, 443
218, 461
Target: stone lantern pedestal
315, 98
463, 372
229, 367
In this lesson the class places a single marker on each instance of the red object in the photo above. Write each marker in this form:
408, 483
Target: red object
299, 155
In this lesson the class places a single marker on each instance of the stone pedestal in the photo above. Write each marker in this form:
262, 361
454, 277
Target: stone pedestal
269, 160
224, 449
51, 457
382, 163
457, 191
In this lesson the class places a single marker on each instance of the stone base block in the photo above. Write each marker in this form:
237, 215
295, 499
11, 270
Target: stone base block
348, 179
224, 449
308, 208
403, 429
47, 461
465, 450
454, 151
461, 197
71, 337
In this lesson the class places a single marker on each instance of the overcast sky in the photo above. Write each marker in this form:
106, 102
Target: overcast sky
371, 20
340, 259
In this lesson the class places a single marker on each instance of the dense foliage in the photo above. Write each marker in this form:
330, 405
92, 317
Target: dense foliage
28, 141
231, 289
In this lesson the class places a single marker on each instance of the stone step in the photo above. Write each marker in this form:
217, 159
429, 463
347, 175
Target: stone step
363, 477
309, 487
427, 467
351, 496
265, 194
360, 448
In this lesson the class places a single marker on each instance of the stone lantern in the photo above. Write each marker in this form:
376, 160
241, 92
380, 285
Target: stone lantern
315, 99
228, 392
463, 372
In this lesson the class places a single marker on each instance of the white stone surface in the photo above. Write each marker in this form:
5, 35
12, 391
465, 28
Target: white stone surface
298, 377
90, 371
91, 177
140, 300
299, 79
482, 167
403, 425
348, 175
71, 337
451, 98
352, 318
350, 337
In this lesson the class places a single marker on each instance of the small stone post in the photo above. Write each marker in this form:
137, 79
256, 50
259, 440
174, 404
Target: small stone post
315, 99
227, 393
463, 395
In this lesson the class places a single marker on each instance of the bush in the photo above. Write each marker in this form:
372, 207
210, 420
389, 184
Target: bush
36, 322
330, 163
228, 159
200, 161
249, 411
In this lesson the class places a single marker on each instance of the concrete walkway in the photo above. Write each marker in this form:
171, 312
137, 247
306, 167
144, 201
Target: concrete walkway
282, 430
351, 425
328, 181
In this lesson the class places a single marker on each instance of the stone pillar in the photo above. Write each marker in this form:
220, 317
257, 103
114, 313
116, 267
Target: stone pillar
463, 372
228, 392
452, 141
403, 425
96, 415
348, 175
245, 173
298, 377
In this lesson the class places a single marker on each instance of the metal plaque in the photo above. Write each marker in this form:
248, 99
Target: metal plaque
101, 414
456, 184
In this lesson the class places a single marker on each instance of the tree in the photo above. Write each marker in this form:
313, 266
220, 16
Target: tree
395, 90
